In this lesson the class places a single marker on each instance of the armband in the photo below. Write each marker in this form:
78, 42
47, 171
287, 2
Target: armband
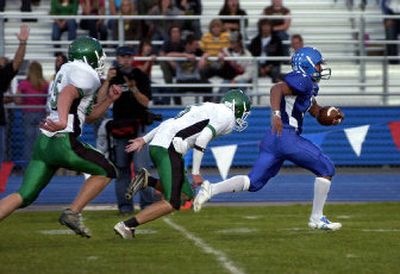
199, 148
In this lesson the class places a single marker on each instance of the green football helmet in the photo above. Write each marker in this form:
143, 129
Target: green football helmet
240, 104
88, 50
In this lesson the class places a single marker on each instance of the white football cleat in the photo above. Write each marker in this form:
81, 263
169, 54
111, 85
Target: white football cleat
202, 197
324, 224
125, 232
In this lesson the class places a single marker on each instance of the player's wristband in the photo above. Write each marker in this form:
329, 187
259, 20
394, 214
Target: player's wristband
276, 113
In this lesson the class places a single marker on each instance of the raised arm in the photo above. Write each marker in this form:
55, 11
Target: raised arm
22, 36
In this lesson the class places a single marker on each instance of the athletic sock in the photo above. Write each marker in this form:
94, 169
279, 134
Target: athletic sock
152, 182
321, 189
235, 184
131, 223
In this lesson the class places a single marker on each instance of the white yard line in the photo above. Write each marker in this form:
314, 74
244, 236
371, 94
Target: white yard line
219, 255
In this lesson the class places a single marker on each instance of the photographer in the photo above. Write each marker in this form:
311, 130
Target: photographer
130, 116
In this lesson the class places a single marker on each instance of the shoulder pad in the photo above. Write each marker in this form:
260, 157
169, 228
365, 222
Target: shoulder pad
83, 78
299, 83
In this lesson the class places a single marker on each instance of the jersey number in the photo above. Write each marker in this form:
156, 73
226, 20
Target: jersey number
55, 92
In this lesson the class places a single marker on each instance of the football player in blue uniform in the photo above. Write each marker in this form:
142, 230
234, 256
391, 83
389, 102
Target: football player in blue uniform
290, 100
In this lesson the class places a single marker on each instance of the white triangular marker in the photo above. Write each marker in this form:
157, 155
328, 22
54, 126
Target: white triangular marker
224, 156
356, 137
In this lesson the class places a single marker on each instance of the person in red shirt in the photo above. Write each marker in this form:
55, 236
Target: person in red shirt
145, 50
33, 111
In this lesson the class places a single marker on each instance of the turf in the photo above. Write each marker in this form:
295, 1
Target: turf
268, 239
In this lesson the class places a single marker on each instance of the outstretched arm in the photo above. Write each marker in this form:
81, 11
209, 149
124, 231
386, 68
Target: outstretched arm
22, 36
200, 145
138, 143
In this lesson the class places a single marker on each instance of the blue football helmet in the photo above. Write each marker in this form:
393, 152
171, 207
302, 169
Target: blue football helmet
306, 59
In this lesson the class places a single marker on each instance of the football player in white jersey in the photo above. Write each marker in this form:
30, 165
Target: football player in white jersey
193, 128
72, 102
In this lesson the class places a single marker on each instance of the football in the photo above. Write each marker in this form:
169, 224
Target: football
329, 116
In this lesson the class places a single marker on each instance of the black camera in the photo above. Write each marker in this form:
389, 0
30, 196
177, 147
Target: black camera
150, 117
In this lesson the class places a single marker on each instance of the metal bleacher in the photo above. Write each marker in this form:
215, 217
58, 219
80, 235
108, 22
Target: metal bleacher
329, 25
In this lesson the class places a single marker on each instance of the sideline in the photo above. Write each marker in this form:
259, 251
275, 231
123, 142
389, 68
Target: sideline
219, 255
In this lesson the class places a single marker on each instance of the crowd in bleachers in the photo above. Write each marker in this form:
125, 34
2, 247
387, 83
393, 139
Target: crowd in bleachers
186, 38
181, 38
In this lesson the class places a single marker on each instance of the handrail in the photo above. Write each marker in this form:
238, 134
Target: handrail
329, 58
301, 14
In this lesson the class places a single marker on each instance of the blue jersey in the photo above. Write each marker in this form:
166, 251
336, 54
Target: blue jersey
293, 107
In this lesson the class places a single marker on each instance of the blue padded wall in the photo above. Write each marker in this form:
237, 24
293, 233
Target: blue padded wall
378, 148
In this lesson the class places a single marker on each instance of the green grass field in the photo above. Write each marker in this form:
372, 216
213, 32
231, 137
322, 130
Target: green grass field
268, 239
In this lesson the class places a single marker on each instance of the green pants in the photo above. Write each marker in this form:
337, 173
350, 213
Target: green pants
171, 169
60, 151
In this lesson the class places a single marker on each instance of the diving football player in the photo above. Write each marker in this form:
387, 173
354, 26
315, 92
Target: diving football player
193, 128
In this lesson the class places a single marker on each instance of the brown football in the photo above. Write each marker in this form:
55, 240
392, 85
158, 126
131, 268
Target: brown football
328, 115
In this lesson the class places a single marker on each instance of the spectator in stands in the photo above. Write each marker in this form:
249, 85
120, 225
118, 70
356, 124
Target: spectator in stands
172, 44
232, 7
25, 7
279, 26
267, 44
392, 27
96, 27
241, 70
158, 29
188, 72
64, 7
296, 42
129, 116
215, 39
35, 85
114, 8
144, 6
212, 44
191, 7
8, 70
145, 50
133, 29
232, 71
61, 59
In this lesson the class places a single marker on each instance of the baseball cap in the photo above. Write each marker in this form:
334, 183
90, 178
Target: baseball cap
125, 50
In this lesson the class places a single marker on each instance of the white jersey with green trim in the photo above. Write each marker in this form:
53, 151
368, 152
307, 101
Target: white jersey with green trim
87, 81
190, 122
